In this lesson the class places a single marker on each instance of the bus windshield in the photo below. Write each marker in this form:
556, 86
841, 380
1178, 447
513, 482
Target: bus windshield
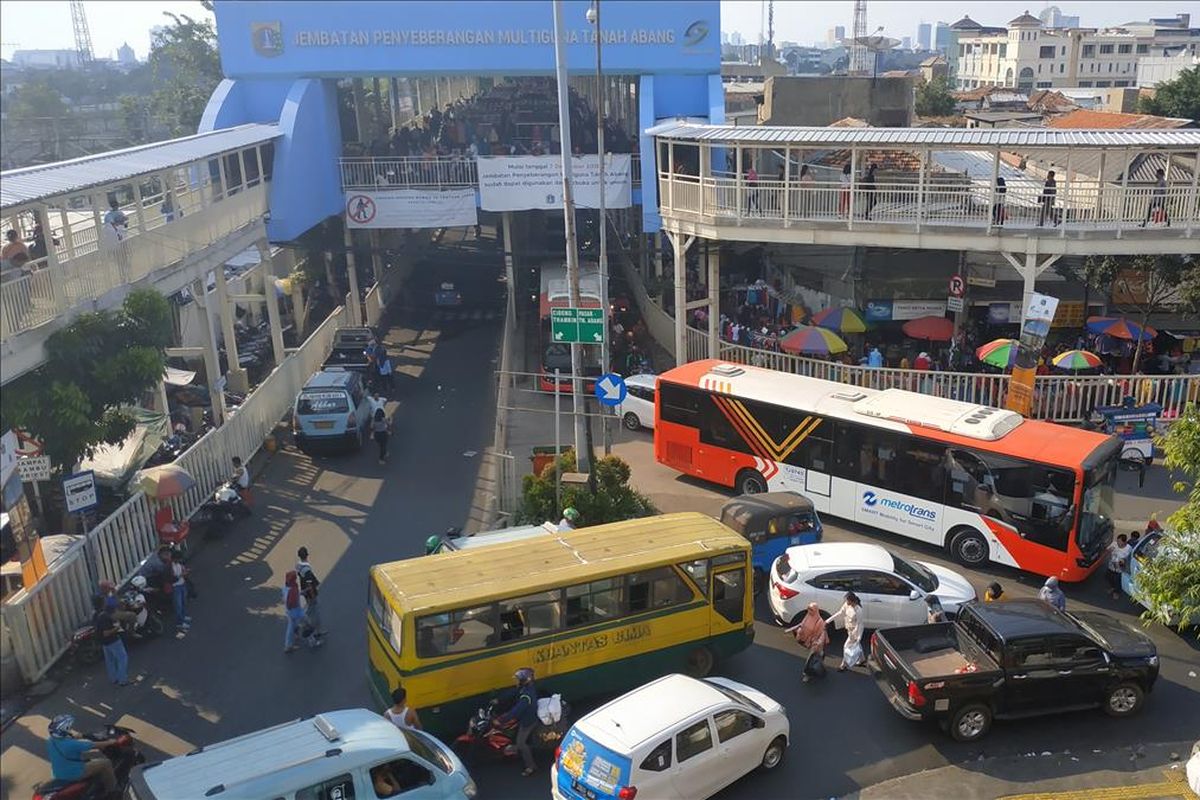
1096, 515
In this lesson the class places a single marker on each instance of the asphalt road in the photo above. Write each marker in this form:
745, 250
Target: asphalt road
228, 675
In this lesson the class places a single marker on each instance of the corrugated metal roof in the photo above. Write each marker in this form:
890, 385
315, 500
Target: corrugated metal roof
63, 178
932, 137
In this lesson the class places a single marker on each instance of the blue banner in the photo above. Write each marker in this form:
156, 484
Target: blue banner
879, 311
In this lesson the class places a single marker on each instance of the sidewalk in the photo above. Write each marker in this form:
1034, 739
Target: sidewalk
1145, 771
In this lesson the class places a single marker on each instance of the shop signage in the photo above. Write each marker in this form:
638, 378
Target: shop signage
525, 183
34, 468
1070, 315
411, 208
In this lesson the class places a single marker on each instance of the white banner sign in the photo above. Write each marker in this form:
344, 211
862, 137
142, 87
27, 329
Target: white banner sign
34, 468
914, 309
523, 183
411, 208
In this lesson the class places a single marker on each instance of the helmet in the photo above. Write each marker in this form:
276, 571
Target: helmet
523, 675
432, 544
139, 582
60, 726
570, 514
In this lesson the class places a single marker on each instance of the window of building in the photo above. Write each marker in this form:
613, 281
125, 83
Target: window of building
1103, 84
1125, 49
1004, 50
1046, 51
1110, 66
1085, 84
1044, 84
1089, 51
1143, 49
1120, 83
1062, 68
1064, 50
1106, 49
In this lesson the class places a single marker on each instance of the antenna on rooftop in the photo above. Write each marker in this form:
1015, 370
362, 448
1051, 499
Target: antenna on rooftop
859, 64
83, 37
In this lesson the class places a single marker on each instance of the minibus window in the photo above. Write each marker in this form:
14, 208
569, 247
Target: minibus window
698, 571
531, 615
456, 632
597, 601
656, 588
729, 590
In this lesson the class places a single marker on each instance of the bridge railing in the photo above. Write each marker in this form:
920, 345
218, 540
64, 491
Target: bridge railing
418, 172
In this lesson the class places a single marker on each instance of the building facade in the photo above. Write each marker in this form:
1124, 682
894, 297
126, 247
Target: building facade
925, 36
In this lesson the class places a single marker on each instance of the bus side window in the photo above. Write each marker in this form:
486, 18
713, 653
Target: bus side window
680, 405
847, 445
457, 632
698, 571
729, 592
597, 601
656, 588
531, 615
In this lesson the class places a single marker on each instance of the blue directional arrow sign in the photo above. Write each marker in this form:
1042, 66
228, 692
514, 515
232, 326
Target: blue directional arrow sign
611, 390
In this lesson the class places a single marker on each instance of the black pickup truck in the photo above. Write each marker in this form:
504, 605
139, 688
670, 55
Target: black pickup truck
1010, 659
349, 349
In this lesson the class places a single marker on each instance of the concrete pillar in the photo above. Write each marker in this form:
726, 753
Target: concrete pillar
212, 369
354, 302
712, 251
1029, 278
376, 255
272, 301
510, 272
658, 253
238, 382
56, 277
680, 298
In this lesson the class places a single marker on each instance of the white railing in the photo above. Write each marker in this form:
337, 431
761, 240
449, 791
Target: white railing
50, 290
939, 200
1058, 398
41, 620
368, 172
697, 344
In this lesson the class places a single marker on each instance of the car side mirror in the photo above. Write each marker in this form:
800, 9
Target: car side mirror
759, 722
914, 595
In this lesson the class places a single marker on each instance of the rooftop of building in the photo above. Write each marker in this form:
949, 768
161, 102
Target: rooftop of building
1087, 119
1026, 20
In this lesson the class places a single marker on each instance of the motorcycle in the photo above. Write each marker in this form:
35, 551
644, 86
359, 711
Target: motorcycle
124, 755
219, 512
484, 734
85, 647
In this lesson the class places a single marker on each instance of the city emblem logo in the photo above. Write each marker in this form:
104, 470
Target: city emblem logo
696, 33
267, 38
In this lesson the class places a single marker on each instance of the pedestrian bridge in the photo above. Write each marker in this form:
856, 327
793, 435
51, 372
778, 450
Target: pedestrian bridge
932, 188
187, 205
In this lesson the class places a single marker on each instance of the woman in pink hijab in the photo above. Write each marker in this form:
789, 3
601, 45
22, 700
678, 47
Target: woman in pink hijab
811, 633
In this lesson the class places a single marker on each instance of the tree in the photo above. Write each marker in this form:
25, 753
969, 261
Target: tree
614, 499
934, 99
1179, 98
40, 109
1169, 584
95, 367
187, 68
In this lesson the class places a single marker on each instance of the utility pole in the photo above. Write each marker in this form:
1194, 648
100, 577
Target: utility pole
564, 138
593, 16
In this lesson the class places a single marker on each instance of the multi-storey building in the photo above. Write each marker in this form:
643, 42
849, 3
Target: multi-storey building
1027, 55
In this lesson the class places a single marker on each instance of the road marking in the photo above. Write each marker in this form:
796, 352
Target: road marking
1173, 788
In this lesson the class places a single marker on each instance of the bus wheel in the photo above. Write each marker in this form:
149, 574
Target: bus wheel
968, 547
760, 581
750, 481
699, 662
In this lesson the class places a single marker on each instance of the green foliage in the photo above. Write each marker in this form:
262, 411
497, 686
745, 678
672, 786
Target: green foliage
613, 501
1178, 98
186, 68
934, 99
95, 367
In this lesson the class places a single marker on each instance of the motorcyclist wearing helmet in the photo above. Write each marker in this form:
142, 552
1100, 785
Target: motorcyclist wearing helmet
72, 759
524, 713
570, 519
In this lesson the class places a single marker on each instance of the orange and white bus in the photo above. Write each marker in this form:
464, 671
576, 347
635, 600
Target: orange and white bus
987, 484
556, 293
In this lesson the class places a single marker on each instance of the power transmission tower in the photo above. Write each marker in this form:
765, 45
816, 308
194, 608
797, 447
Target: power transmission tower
83, 37
859, 63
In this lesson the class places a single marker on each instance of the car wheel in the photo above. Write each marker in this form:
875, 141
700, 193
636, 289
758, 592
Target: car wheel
751, 481
760, 581
699, 662
970, 722
969, 548
631, 421
1124, 700
773, 756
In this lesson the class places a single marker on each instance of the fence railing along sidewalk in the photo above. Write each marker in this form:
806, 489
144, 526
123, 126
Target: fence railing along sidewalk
39, 622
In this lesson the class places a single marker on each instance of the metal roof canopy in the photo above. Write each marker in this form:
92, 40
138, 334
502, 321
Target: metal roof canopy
1041, 138
27, 185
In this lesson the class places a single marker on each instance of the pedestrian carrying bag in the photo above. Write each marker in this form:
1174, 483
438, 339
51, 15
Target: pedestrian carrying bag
814, 667
852, 654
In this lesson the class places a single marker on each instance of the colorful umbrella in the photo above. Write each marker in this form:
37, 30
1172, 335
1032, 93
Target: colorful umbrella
1120, 328
167, 480
1075, 360
842, 320
999, 352
933, 329
814, 340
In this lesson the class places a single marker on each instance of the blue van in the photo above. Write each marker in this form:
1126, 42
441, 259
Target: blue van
332, 409
772, 522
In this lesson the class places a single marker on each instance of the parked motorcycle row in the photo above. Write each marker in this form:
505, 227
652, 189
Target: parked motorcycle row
255, 354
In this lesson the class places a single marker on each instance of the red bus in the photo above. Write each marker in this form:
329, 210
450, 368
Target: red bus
556, 293
985, 483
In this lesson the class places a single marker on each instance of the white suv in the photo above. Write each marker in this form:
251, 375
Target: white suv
637, 409
892, 589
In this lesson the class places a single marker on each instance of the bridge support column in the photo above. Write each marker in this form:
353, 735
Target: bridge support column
658, 254
271, 298
1029, 270
510, 271
238, 381
680, 246
353, 302
212, 365
712, 251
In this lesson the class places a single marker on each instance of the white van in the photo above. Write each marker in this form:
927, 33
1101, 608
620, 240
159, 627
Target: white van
675, 737
353, 753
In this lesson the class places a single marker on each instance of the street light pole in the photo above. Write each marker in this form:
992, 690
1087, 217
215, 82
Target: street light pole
564, 126
593, 16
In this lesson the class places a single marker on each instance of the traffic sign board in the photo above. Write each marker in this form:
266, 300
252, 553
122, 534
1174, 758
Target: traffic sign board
34, 468
585, 325
954, 304
958, 286
611, 389
80, 492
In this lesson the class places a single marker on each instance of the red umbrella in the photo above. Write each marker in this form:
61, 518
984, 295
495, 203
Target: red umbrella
933, 329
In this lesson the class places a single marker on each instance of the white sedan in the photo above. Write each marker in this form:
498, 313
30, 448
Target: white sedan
892, 589
637, 409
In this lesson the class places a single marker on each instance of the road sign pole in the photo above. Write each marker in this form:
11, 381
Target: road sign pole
557, 444
37, 496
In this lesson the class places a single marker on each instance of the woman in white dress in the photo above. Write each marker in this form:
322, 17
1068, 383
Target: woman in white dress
851, 615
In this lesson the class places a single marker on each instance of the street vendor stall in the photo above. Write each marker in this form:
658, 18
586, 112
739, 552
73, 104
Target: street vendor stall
1135, 424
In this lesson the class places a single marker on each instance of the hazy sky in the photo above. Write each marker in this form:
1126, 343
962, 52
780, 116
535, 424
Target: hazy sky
46, 24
